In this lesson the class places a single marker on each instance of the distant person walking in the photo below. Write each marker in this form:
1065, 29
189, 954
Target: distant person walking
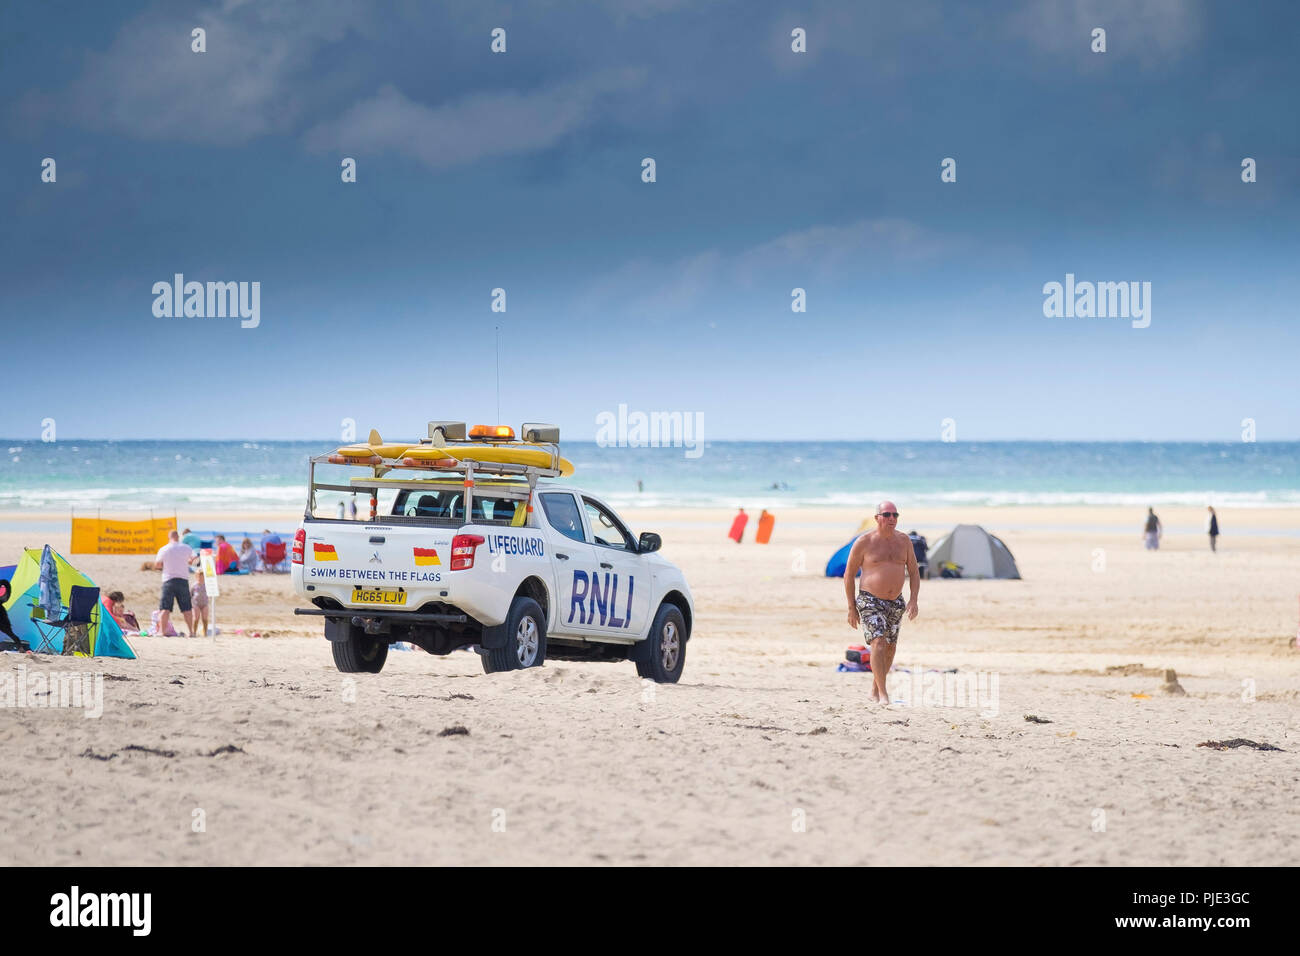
884, 557
173, 561
1212, 526
1153, 531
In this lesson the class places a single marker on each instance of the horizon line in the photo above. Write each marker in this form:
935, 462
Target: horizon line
36, 440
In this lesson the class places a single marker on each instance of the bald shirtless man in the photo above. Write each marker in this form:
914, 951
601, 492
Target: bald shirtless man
883, 556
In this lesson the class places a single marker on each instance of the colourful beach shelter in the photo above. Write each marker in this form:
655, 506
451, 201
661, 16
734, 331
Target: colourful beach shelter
106, 638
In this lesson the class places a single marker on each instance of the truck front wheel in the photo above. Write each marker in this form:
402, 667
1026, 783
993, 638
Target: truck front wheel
525, 644
666, 654
359, 653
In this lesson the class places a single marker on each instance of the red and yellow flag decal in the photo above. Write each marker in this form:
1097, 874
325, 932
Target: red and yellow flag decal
324, 552
426, 556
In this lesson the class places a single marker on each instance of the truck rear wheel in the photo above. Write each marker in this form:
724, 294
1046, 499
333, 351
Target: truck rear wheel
666, 655
360, 653
525, 639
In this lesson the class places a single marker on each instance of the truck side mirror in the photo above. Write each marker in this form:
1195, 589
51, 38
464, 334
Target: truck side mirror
649, 542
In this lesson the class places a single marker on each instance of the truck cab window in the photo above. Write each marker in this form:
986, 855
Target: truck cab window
606, 527
562, 512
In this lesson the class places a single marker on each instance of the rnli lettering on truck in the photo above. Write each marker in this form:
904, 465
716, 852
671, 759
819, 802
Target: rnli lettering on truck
602, 597
513, 544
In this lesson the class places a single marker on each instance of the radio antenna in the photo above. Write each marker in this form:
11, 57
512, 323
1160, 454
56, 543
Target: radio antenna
498, 338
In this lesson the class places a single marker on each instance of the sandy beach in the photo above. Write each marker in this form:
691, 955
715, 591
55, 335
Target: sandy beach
242, 750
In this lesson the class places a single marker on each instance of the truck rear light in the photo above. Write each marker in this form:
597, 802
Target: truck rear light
299, 545
462, 550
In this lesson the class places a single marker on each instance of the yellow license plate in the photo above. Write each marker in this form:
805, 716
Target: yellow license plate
378, 596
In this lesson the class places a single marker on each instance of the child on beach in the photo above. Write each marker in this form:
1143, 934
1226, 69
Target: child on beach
199, 598
158, 628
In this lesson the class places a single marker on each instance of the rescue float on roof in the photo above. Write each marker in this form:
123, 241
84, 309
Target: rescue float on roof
450, 446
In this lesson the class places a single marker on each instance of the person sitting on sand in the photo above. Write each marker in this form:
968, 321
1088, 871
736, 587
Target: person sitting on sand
199, 599
1152, 531
115, 604
884, 557
5, 628
190, 538
247, 556
227, 559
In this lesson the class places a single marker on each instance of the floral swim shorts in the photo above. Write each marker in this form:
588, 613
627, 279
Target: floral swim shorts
880, 618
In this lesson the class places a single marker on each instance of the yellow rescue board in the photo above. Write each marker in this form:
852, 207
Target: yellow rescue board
426, 453
514, 453
538, 456
382, 449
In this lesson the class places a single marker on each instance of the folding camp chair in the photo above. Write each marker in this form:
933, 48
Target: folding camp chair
272, 555
74, 625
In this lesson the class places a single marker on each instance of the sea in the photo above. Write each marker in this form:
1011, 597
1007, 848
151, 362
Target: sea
120, 478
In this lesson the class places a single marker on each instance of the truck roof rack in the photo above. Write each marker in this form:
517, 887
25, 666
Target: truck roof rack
445, 466
502, 475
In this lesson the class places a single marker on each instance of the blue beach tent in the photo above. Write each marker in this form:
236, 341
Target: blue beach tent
840, 560
106, 638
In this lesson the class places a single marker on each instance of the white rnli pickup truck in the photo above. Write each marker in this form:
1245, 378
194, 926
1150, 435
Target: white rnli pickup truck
467, 543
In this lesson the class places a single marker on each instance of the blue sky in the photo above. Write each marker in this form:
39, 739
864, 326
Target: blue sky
522, 171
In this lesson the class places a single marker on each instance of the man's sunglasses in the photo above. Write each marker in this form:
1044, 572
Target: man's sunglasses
886, 514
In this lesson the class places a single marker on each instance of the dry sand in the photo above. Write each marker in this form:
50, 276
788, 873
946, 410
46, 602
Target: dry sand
763, 754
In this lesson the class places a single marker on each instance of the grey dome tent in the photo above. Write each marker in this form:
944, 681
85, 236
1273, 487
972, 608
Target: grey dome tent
978, 553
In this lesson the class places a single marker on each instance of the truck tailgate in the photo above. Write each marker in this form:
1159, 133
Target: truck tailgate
377, 565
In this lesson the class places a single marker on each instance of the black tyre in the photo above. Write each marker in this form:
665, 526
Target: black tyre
525, 639
360, 653
667, 650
